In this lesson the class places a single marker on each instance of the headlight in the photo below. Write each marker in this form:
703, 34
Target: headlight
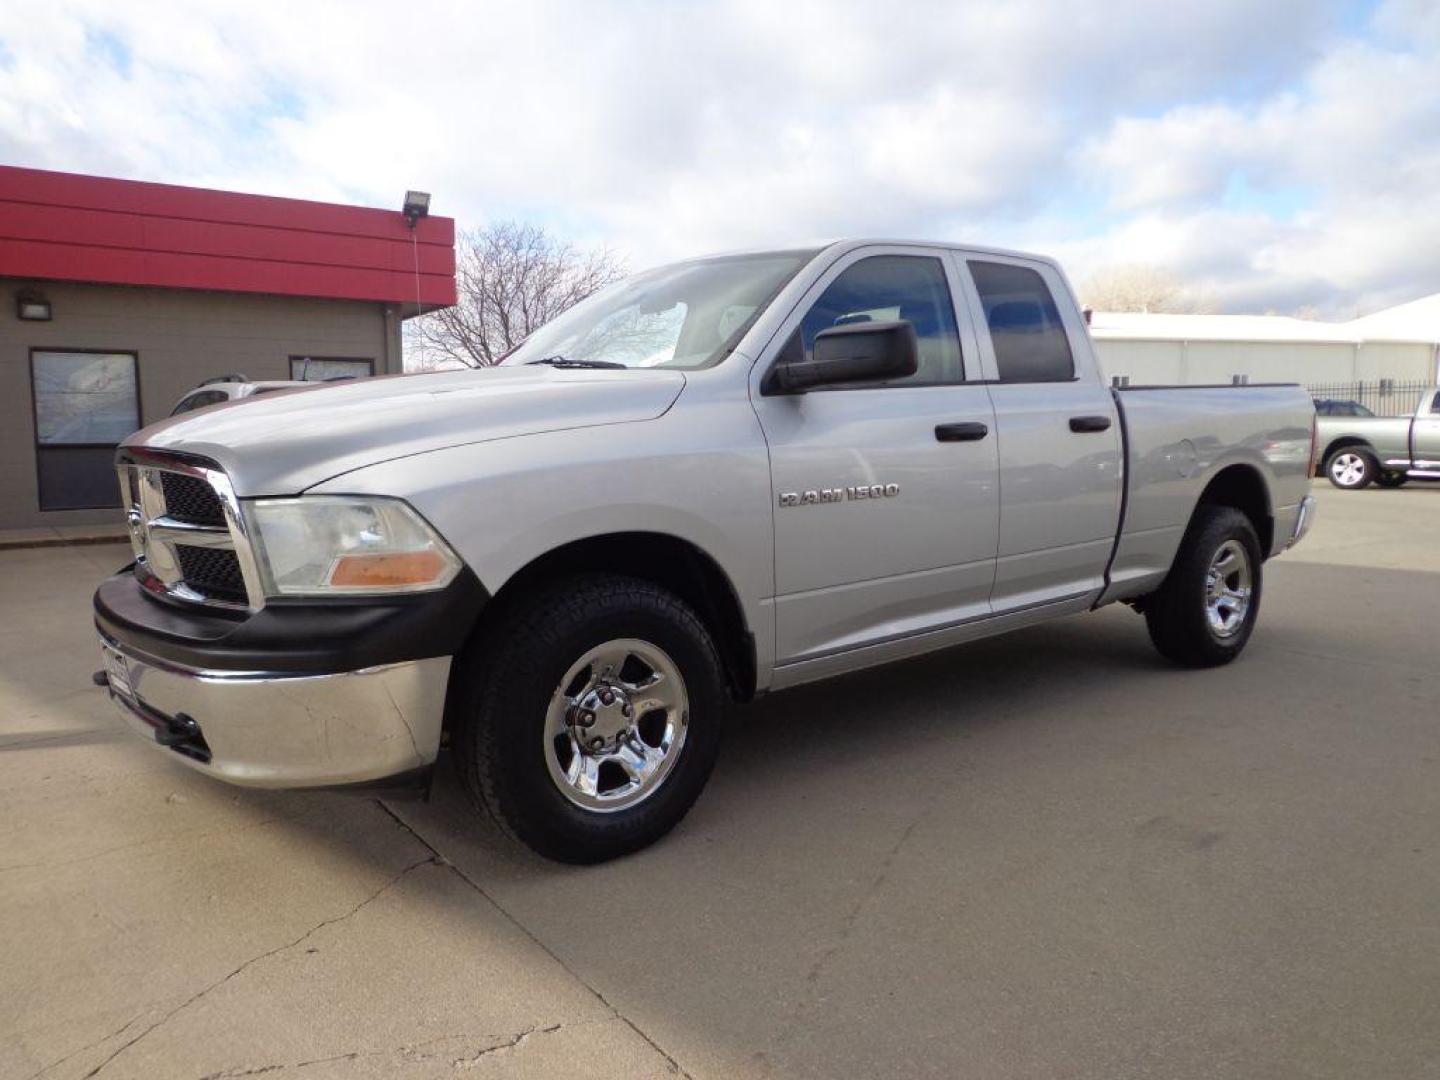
324, 545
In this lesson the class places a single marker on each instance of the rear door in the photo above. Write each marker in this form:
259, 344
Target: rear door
1058, 429
885, 495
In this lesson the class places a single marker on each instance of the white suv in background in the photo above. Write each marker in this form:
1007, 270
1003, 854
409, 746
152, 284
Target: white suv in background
234, 387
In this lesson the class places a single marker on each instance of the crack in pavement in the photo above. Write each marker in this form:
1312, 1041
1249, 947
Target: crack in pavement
847, 927
256, 959
847, 924
414, 1052
89, 1046
441, 860
501, 1047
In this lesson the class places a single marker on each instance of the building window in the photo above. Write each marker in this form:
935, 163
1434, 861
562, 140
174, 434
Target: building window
321, 368
85, 403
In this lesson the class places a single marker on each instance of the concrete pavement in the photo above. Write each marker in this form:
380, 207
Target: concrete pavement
1044, 855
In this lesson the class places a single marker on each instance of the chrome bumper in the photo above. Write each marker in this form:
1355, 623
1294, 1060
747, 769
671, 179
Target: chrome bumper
280, 730
1304, 518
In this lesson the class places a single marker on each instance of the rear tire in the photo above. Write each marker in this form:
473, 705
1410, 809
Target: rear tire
1351, 468
1391, 479
587, 649
1205, 610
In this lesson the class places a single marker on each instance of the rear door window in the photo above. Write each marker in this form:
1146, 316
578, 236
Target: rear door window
1025, 326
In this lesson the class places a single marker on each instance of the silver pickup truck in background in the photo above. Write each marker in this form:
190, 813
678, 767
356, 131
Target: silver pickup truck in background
1357, 451
713, 480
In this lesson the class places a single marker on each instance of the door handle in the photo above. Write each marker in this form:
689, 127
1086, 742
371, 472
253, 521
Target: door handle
969, 431
1084, 424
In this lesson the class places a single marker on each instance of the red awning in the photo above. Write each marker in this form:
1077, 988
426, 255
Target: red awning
67, 227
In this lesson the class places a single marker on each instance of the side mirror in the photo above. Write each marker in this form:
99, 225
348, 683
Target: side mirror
857, 352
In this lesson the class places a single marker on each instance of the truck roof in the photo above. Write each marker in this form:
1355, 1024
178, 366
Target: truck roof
849, 243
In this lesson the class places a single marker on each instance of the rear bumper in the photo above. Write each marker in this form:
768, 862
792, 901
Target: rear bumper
268, 729
1304, 518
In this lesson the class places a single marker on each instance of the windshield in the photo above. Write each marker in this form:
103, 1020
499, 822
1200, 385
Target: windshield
688, 315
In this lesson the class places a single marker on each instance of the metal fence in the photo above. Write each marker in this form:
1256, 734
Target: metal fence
1383, 397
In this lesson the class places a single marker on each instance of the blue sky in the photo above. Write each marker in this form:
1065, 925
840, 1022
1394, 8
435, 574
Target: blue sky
1273, 156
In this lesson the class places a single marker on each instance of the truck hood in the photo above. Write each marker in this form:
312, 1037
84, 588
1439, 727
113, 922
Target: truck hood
285, 442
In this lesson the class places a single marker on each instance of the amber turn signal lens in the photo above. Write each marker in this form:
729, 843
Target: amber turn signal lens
387, 571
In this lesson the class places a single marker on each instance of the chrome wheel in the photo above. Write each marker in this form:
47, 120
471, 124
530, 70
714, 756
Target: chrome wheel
1228, 589
1347, 469
616, 725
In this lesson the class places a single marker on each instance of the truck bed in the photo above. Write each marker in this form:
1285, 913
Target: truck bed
1177, 440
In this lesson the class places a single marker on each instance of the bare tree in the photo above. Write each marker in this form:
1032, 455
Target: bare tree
511, 278
1138, 287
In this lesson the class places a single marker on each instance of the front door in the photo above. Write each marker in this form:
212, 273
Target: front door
885, 494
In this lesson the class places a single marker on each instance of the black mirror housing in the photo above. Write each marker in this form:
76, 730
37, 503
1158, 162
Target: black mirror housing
853, 353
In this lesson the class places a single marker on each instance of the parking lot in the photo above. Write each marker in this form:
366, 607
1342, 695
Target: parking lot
1044, 855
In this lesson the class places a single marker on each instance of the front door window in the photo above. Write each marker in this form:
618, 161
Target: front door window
889, 288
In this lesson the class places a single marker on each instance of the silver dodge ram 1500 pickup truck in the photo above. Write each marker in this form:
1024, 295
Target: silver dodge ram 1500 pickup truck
712, 480
1356, 451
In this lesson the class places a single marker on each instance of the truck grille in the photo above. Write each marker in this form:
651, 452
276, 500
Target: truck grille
191, 500
188, 547
214, 573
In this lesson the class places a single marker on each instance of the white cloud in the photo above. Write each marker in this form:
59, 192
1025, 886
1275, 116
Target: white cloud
1256, 147
1343, 163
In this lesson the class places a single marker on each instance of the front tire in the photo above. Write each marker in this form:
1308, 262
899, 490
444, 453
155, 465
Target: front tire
589, 718
1205, 610
1351, 468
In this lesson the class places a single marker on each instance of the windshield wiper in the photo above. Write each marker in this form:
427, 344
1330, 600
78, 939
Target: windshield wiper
564, 362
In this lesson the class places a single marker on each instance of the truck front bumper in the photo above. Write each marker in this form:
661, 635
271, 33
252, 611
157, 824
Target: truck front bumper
288, 696
266, 729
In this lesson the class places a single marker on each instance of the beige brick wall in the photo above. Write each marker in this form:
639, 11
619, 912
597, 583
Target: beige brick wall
180, 338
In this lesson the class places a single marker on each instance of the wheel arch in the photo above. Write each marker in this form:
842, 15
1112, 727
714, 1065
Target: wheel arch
1243, 488
1335, 445
666, 560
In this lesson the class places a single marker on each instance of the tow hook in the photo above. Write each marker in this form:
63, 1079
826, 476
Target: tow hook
178, 730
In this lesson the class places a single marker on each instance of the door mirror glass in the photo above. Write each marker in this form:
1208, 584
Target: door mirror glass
859, 352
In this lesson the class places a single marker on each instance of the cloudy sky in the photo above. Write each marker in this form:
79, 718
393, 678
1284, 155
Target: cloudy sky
1276, 153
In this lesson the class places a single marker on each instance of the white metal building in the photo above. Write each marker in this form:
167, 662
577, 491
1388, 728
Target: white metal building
1400, 344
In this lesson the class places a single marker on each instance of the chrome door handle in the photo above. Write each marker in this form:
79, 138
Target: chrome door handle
1085, 424
969, 431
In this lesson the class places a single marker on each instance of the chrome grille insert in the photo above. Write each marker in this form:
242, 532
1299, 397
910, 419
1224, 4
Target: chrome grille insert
187, 531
